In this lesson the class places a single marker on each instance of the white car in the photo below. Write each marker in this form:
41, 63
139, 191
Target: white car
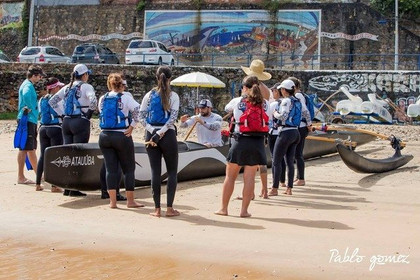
148, 52
3, 57
42, 54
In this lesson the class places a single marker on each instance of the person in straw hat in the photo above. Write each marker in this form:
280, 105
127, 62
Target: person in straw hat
257, 69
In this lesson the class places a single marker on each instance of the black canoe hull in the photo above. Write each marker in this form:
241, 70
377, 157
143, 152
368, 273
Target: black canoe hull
77, 166
361, 164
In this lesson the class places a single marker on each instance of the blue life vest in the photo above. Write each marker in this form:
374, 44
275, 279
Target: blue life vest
48, 115
309, 100
295, 114
156, 114
71, 102
112, 116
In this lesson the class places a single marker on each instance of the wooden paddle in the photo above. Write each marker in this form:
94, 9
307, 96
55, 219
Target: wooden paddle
345, 142
330, 108
189, 131
382, 136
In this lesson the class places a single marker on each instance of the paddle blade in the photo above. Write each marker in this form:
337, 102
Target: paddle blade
28, 163
21, 134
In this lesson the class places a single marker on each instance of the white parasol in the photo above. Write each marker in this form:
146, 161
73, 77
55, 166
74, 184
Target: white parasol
198, 79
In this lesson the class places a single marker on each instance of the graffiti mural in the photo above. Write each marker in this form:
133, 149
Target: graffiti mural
291, 37
403, 84
10, 13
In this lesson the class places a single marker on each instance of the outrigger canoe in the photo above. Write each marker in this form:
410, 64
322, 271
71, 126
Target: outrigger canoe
362, 164
77, 166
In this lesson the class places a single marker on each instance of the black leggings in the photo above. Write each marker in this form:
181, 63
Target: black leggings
286, 146
300, 162
168, 148
118, 150
48, 136
282, 177
76, 130
102, 178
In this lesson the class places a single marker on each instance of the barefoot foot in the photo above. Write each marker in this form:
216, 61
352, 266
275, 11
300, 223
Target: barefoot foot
221, 213
245, 215
288, 191
170, 212
156, 213
273, 192
38, 188
113, 206
56, 189
134, 204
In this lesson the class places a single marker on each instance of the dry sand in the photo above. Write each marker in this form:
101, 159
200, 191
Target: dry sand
341, 225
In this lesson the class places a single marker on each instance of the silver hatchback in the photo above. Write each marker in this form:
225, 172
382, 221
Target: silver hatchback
148, 52
42, 54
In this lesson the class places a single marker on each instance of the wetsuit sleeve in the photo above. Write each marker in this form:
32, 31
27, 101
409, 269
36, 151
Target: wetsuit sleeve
306, 115
216, 124
188, 122
55, 100
284, 110
144, 112
134, 107
90, 94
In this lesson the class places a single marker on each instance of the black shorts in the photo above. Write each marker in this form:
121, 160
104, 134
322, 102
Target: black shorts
247, 150
31, 142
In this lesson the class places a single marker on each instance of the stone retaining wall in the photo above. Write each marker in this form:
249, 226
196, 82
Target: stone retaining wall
141, 79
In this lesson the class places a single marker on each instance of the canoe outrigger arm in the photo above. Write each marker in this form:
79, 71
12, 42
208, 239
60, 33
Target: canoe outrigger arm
365, 165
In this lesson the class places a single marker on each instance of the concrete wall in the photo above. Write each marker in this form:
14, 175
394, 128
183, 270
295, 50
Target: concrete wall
400, 84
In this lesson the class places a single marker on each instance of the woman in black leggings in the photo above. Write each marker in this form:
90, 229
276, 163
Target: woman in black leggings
50, 130
76, 122
119, 114
289, 137
158, 113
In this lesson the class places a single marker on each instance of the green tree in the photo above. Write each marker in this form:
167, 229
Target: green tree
409, 9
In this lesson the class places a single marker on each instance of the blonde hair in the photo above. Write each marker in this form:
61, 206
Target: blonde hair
115, 82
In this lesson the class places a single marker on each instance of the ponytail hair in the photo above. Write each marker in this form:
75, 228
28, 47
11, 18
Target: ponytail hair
73, 77
296, 81
254, 96
163, 75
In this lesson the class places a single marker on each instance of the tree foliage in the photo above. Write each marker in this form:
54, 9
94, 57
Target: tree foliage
409, 9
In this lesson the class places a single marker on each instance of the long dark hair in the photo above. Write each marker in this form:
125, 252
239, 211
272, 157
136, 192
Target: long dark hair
254, 96
163, 74
296, 81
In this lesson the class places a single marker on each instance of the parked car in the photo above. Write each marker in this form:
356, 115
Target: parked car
148, 52
42, 54
3, 57
94, 53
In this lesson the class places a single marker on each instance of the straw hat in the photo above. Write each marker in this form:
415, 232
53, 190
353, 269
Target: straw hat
257, 69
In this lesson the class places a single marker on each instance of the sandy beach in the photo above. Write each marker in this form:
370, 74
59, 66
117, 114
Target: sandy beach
341, 225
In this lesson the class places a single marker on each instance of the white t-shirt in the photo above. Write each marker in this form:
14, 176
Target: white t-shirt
209, 134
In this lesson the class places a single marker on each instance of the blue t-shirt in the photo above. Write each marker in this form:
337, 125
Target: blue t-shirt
28, 98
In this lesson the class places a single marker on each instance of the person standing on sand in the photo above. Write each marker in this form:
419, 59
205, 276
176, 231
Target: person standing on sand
289, 115
246, 151
208, 125
272, 137
79, 104
50, 133
256, 68
158, 113
303, 131
119, 114
28, 105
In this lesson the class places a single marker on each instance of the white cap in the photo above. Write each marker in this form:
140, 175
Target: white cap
81, 69
287, 84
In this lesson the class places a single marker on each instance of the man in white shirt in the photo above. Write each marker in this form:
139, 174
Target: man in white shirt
208, 124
